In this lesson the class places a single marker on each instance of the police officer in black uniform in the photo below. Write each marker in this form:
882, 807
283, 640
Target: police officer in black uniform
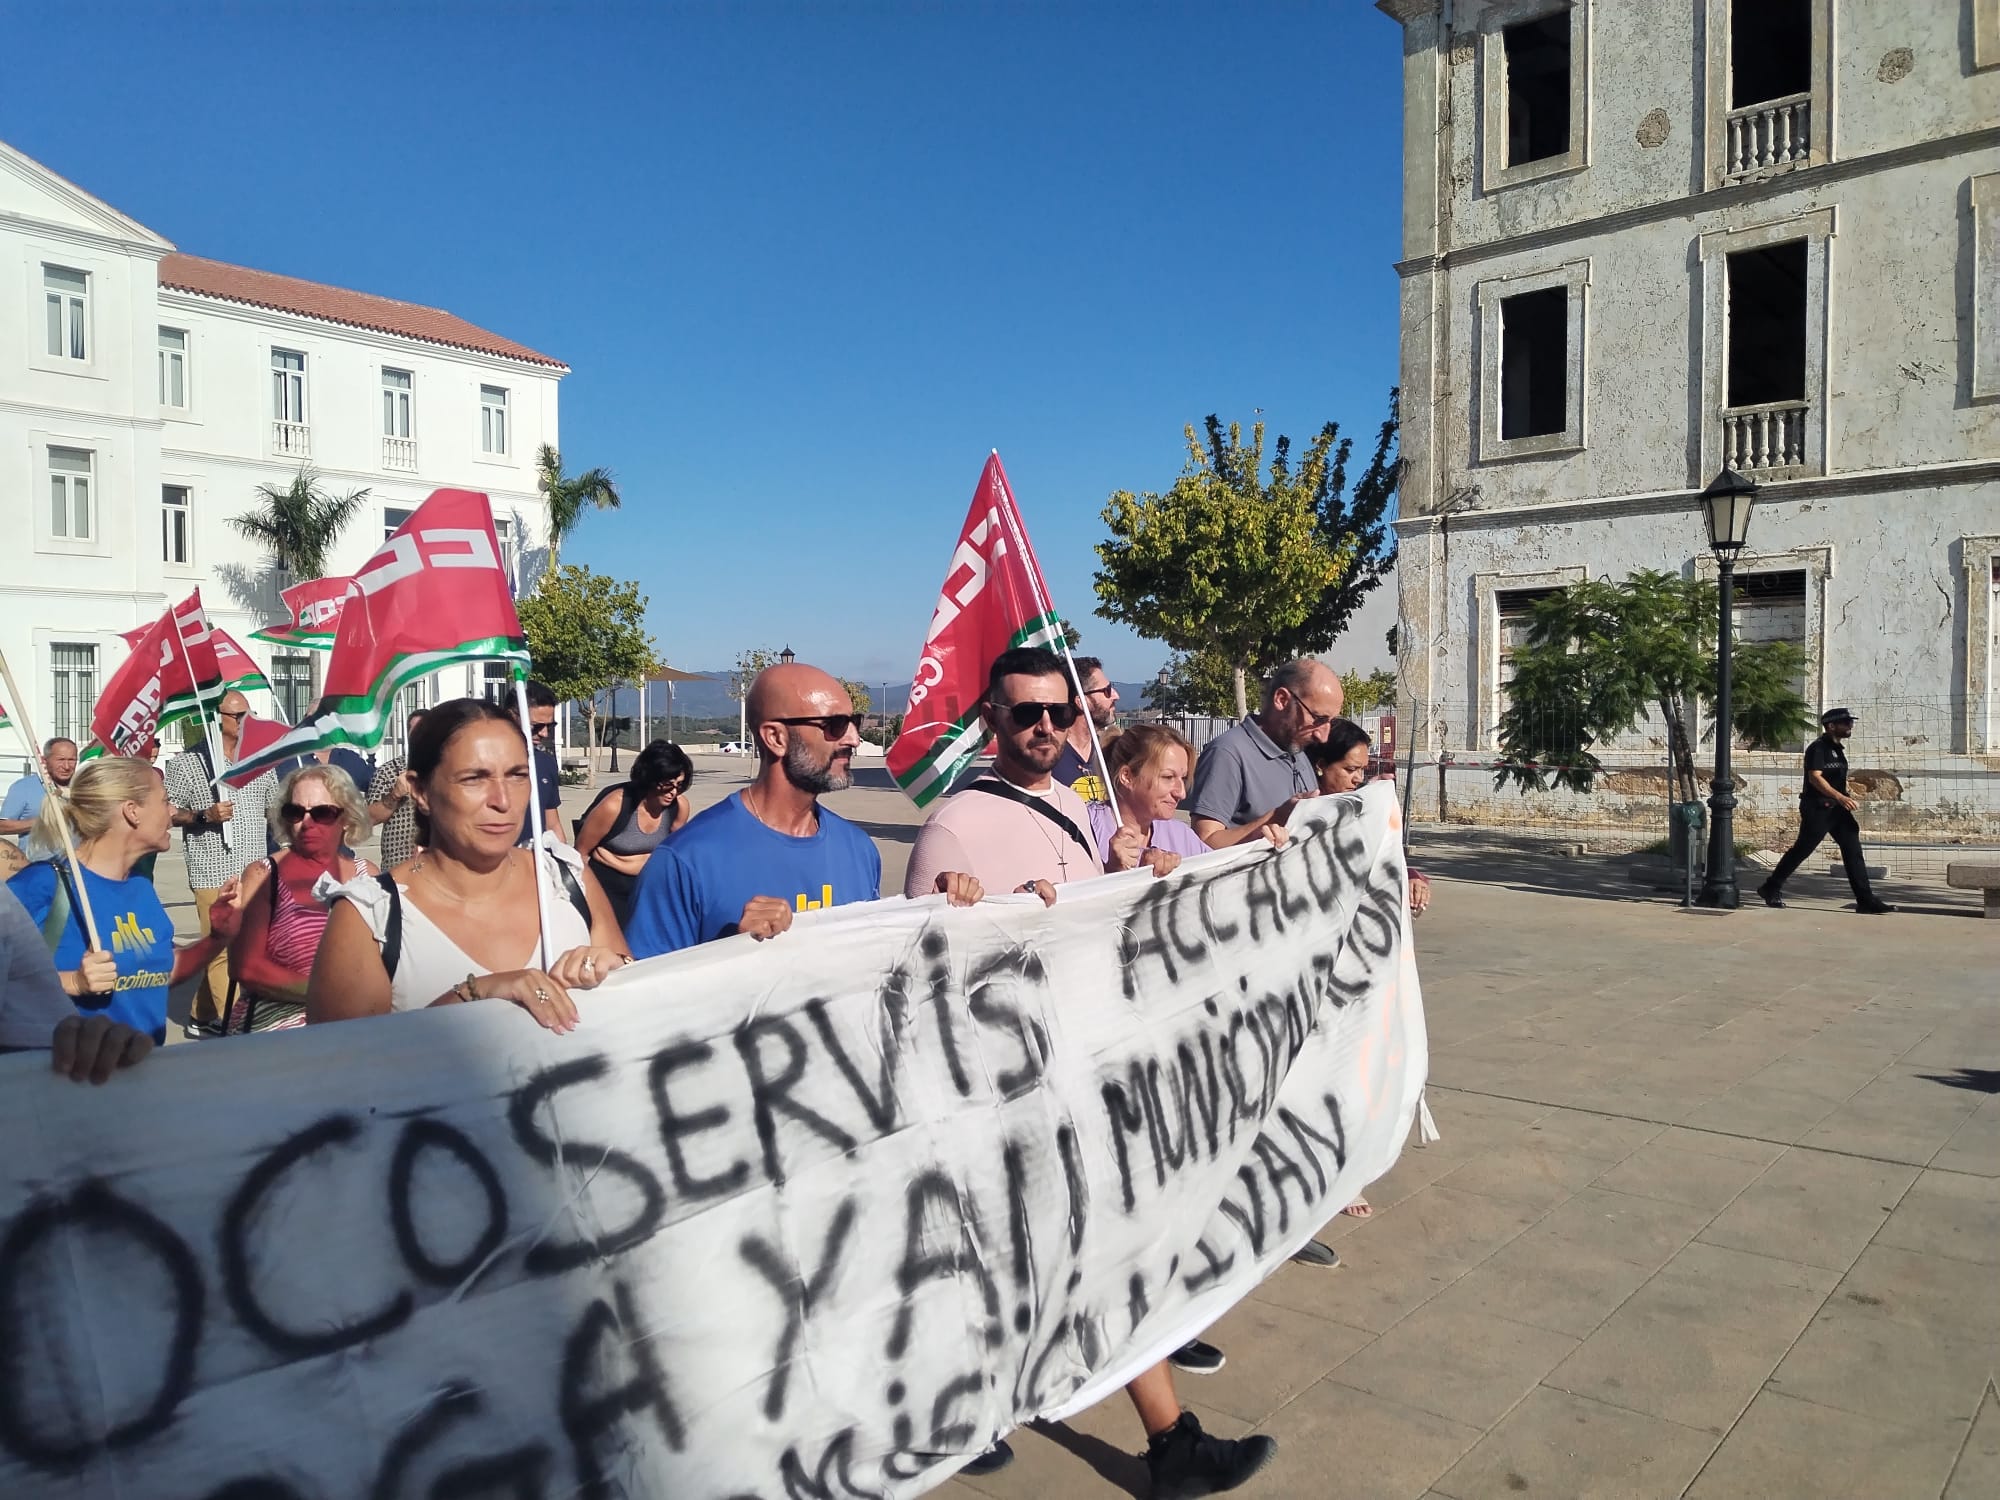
1825, 808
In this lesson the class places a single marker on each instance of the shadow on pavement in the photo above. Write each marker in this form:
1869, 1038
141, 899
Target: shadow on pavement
1112, 1465
1979, 1080
1591, 877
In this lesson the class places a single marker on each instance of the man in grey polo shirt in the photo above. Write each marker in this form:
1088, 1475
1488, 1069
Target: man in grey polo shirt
1249, 777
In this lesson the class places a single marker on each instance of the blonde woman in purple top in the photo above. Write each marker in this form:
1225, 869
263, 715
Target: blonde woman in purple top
1148, 765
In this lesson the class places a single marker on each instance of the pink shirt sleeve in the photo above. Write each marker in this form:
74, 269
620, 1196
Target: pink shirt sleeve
936, 852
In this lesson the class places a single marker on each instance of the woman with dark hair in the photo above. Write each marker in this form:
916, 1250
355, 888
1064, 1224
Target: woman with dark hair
623, 827
458, 921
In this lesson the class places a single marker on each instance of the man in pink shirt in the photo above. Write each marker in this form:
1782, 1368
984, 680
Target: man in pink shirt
1019, 829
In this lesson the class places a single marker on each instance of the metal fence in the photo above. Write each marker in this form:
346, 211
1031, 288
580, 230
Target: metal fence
1924, 770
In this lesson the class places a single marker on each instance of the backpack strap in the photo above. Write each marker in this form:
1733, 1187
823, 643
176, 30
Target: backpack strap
392, 929
573, 888
993, 786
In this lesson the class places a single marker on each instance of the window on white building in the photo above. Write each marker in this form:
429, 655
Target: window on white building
1534, 363
1532, 339
291, 686
72, 514
73, 669
399, 444
395, 403
66, 300
1538, 62
290, 436
393, 517
496, 683
1768, 96
174, 368
1986, 280
1765, 396
493, 420
1772, 607
503, 532
176, 528
1515, 609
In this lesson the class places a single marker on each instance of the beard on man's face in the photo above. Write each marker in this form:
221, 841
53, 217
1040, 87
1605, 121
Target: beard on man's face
808, 773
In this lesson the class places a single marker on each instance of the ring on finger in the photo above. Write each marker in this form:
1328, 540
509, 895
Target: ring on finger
541, 994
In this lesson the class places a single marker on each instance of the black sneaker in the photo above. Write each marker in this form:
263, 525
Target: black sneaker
993, 1460
1771, 897
201, 1031
1186, 1462
1313, 1253
1873, 908
1198, 1358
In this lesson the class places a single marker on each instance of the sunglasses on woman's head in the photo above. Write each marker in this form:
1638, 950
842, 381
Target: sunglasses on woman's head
1028, 715
325, 812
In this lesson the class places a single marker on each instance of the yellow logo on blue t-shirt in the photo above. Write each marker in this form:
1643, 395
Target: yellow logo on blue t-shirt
825, 900
127, 934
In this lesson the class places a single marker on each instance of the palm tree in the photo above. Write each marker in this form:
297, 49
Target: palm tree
299, 523
568, 496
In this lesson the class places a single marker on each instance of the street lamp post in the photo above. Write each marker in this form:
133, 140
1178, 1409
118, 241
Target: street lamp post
1726, 505
788, 656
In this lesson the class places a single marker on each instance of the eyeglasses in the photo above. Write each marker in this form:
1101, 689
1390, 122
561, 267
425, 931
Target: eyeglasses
324, 813
223, 713
1313, 720
1028, 715
542, 729
833, 726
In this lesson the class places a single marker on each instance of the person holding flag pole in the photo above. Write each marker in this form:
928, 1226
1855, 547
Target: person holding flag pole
50, 790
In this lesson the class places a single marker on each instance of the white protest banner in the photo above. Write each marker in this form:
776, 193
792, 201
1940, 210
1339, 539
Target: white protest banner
810, 1219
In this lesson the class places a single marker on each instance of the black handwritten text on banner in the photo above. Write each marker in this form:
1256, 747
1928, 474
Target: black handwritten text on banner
809, 1219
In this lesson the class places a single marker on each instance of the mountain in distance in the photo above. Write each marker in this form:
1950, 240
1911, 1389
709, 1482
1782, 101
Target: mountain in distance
709, 698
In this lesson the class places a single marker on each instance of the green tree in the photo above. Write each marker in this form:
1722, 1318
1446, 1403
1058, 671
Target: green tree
858, 691
568, 496
1600, 654
1361, 694
586, 632
299, 522
748, 665
1198, 682
1225, 561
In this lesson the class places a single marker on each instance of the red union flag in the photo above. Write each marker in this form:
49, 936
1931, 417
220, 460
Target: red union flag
218, 663
128, 710
993, 599
315, 607
437, 593
252, 736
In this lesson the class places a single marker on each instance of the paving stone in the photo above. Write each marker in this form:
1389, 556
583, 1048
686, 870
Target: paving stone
1555, 1444
1760, 1112
1901, 1116
1712, 1143
1958, 1298
1812, 1206
1976, 1474
1948, 1213
1785, 1446
1535, 1176
1859, 1360
1445, 1223
1393, 1286
1469, 1366
1974, 1147
1608, 1138
1697, 1341
1335, 1440
1675, 1174
1274, 1353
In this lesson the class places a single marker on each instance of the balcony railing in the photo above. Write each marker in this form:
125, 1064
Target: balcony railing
1770, 136
1756, 438
400, 454
291, 440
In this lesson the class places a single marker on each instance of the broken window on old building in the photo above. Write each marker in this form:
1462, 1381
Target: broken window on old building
1772, 607
1538, 93
1516, 611
1770, 50
1767, 325
1534, 363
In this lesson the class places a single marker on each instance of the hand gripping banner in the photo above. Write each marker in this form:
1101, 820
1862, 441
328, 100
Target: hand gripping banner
811, 1219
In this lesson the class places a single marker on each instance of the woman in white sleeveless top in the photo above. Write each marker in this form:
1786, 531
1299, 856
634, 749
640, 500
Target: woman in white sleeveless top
461, 921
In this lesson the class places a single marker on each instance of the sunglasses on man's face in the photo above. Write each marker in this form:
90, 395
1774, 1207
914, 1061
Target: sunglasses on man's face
325, 812
1028, 715
542, 729
833, 726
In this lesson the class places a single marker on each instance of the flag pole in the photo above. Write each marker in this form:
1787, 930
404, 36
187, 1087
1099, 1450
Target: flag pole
535, 814
49, 788
1033, 569
207, 724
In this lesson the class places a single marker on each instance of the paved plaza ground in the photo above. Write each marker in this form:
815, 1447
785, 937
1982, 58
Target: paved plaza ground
1716, 1212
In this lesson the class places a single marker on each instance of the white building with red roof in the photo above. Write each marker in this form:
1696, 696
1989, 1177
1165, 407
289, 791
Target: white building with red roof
146, 394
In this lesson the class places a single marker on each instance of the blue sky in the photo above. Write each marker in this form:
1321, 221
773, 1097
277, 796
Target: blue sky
808, 262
